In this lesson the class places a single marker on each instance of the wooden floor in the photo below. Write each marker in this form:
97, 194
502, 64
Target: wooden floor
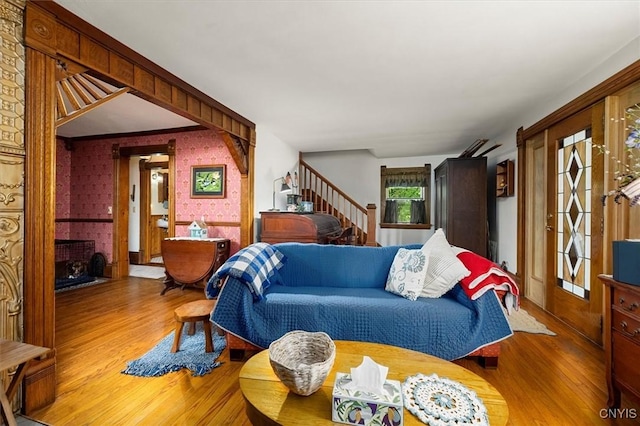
546, 380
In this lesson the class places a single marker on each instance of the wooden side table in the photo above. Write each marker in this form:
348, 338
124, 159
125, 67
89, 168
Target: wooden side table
191, 261
269, 401
12, 354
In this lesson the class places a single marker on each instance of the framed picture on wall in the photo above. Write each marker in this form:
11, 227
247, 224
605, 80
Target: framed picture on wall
208, 181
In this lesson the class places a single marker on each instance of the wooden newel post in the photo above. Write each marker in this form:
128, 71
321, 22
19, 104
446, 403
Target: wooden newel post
371, 225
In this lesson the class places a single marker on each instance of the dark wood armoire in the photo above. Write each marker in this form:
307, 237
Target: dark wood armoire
461, 202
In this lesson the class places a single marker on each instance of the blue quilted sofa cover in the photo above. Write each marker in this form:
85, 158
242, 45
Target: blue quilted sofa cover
340, 290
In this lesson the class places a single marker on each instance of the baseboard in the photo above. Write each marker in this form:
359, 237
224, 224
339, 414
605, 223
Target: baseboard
39, 385
134, 257
108, 270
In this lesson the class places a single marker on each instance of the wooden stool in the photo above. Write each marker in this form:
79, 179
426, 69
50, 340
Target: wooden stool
192, 312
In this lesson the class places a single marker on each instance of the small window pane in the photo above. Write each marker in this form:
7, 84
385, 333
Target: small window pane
405, 196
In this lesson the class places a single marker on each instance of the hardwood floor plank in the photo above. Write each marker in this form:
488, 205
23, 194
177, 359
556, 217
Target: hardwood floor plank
546, 380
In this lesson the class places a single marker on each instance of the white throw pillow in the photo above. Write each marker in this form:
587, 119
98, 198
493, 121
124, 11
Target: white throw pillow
407, 272
444, 268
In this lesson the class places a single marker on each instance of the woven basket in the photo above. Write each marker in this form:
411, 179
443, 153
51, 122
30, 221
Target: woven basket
302, 360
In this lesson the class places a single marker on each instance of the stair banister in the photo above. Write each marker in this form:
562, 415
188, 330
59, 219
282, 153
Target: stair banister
330, 199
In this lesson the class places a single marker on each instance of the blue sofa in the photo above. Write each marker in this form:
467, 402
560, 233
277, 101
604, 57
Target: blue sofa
341, 290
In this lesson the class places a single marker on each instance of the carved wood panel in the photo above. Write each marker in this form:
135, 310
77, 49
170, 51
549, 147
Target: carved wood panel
12, 162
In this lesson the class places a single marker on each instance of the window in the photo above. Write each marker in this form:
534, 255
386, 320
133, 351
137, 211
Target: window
405, 196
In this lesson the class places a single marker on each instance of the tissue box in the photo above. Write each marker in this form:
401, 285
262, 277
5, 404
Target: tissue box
626, 261
354, 407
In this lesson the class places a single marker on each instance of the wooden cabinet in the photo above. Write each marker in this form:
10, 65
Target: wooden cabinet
621, 339
461, 202
504, 178
191, 261
280, 227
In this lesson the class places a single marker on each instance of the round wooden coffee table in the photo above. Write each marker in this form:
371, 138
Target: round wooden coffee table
269, 402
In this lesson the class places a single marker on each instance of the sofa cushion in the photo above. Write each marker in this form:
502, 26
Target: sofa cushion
330, 265
407, 273
444, 268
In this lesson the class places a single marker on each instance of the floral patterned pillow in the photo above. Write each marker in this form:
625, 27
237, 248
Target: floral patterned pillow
407, 273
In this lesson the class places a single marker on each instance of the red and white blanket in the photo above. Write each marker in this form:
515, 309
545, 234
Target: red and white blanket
486, 275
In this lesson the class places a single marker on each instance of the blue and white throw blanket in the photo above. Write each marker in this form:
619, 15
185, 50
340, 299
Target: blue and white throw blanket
253, 265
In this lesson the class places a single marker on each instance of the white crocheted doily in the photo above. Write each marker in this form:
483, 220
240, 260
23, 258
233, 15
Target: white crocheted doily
438, 401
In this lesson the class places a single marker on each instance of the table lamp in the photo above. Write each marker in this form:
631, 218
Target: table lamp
283, 188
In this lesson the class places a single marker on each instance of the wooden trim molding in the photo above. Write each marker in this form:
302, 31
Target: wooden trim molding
161, 132
521, 209
56, 31
228, 224
405, 226
39, 219
82, 220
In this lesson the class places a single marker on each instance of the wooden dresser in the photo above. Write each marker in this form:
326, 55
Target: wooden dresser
192, 261
621, 339
280, 227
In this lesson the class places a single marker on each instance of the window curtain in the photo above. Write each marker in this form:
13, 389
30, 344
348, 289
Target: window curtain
391, 211
418, 212
405, 179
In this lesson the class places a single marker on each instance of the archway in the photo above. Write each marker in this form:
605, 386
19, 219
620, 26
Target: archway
54, 36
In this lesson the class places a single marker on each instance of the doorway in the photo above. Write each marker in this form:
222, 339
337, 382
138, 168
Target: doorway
124, 204
535, 222
149, 211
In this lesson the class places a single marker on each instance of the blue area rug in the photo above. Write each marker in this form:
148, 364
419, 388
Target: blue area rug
159, 360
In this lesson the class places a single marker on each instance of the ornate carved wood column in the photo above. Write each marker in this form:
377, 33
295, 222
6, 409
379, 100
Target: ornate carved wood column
40, 190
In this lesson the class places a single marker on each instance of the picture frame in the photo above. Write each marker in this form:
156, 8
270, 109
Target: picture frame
208, 181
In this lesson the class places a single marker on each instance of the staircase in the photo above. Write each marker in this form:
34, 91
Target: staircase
328, 198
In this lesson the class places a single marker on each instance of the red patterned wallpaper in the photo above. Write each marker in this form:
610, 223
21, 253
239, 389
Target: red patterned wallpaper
63, 189
84, 185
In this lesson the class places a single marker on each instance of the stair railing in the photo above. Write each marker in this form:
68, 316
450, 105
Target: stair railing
328, 198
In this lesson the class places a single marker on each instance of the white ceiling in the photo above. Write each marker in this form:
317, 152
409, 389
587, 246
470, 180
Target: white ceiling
123, 114
398, 78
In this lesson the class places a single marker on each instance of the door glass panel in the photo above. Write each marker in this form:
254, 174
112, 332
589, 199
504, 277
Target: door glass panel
574, 213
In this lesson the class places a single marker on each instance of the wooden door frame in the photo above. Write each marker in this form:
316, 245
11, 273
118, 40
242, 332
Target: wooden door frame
53, 35
537, 142
122, 157
145, 200
147, 240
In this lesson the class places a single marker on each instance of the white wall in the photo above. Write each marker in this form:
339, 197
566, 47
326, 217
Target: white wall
134, 206
358, 172
157, 205
273, 159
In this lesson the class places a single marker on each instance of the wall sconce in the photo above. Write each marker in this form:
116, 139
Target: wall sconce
283, 188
